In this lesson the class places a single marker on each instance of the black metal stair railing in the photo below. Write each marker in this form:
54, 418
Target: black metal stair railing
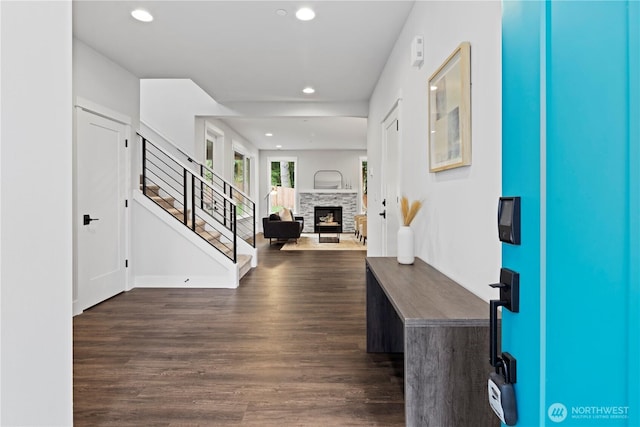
245, 206
210, 214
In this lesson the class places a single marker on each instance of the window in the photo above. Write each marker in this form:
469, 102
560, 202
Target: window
213, 151
208, 159
363, 184
282, 176
242, 172
208, 156
241, 179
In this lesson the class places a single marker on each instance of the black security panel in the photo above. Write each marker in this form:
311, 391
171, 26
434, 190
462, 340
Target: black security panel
509, 220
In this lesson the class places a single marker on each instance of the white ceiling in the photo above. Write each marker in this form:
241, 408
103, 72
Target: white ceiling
243, 53
304, 133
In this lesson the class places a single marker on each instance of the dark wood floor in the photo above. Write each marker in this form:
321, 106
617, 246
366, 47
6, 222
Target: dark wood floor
287, 348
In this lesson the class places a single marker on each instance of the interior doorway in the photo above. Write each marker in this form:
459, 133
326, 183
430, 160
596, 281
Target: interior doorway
389, 178
101, 220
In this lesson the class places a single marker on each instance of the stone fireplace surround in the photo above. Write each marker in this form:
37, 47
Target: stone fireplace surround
309, 199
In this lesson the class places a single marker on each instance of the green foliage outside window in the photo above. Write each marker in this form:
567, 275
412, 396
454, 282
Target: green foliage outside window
364, 177
277, 176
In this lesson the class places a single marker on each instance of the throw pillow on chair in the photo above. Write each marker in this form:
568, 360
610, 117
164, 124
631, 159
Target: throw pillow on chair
285, 215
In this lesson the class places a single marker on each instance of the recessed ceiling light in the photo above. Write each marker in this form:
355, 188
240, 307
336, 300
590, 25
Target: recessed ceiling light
308, 90
305, 14
142, 15
281, 12
278, 146
268, 134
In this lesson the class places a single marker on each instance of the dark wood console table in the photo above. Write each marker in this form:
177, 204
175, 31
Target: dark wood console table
443, 331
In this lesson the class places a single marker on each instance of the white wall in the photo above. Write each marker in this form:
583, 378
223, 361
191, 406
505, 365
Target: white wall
102, 81
167, 255
170, 107
311, 161
36, 244
456, 231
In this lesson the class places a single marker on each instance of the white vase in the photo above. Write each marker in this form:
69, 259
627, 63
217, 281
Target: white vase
405, 245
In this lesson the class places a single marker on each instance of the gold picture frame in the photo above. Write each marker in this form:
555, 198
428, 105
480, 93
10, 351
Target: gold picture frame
450, 112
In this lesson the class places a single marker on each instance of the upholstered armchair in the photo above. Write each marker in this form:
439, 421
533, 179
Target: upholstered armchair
362, 230
356, 223
361, 227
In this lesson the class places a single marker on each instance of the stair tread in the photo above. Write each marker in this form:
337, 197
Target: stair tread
179, 213
244, 258
165, 203
211, 234
244, 265
151, 188
166, 199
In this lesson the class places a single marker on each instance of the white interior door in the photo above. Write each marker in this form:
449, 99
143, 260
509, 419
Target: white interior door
390, 191
101, 192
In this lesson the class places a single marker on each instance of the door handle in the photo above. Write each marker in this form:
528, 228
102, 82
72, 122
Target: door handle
86, 219
383, 214
509, 299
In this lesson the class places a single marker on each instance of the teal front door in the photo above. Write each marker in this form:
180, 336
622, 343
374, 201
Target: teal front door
571, 151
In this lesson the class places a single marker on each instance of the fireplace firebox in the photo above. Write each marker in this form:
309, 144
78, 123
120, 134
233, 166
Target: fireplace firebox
327, 219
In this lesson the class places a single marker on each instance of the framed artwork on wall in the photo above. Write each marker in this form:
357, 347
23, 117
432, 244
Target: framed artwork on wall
450, 112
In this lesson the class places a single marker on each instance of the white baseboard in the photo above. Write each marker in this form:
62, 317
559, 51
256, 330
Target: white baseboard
184, 282
76, 308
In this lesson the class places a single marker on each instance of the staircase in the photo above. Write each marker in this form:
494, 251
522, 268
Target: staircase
212, 208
